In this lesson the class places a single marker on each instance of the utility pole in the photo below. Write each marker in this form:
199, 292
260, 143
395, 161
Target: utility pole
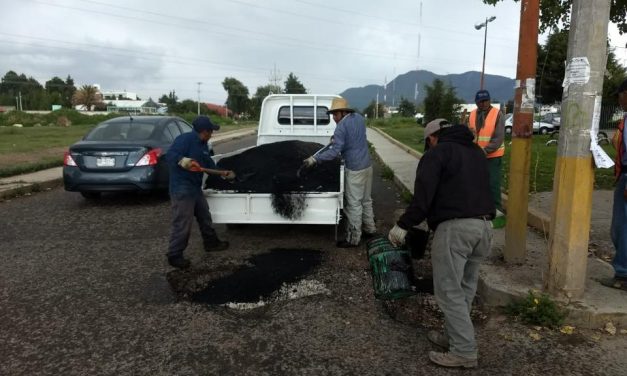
520, 159
199, 83
574, 173
20, 96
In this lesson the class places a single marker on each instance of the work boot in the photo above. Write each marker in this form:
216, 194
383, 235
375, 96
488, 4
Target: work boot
179, 262
447, 359
216, 246
438, 338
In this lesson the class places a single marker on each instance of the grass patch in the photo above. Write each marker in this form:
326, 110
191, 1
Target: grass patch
406, 196
30, 167
537, 309
542, 156
387, 173
35, 139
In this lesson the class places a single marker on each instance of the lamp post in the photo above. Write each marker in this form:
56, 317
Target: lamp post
198, 103
485, 38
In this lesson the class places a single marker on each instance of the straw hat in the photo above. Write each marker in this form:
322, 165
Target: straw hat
339, 104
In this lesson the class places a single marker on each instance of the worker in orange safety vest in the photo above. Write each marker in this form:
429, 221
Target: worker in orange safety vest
488, 125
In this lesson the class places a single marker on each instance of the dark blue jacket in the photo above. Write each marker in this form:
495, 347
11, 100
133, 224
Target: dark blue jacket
183, 182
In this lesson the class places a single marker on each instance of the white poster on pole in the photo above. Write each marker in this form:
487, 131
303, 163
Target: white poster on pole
601, 159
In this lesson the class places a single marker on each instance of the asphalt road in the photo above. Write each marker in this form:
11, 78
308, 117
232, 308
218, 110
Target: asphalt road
85, 289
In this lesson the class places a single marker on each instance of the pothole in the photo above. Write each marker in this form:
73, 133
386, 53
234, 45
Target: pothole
280, 274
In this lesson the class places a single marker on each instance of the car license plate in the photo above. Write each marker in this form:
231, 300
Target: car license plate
105, 162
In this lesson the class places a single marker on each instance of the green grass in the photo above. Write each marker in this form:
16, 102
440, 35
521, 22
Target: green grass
542, 156
35, 139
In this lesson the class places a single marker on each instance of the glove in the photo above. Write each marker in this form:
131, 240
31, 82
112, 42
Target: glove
396, 236
186, 163
228, 175
309, 162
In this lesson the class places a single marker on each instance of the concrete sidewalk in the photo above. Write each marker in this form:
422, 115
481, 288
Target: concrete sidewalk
500, 283
45, 179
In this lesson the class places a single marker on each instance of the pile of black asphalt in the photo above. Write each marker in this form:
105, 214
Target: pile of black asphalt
273, 167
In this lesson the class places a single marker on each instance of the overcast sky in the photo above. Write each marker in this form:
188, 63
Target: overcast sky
152, 47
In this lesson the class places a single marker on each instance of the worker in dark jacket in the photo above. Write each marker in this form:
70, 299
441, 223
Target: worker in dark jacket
452, 192
187, 158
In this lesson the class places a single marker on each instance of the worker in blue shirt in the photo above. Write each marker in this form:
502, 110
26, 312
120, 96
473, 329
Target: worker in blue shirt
187, 159
349, 140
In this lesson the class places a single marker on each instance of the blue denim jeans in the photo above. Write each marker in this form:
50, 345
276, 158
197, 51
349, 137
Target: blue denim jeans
619, 228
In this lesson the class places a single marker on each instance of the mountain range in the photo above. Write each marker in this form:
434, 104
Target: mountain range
404, 86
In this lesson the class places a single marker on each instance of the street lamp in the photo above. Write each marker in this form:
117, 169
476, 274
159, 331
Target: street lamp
198, 83
485, 38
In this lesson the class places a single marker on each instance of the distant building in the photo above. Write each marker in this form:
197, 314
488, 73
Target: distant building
218, 109
125, 101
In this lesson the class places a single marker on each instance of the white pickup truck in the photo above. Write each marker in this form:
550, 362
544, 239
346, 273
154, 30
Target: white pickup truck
284, 117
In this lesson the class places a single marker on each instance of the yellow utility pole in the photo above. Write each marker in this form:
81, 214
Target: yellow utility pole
520, 158
574, 174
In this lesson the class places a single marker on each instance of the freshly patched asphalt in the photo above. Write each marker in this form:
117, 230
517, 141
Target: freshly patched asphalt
85, 289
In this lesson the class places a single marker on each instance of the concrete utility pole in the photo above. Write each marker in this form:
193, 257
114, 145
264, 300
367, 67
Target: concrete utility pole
520, 159
574, 174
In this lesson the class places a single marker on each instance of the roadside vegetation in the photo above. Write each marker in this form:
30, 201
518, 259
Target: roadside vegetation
543, 157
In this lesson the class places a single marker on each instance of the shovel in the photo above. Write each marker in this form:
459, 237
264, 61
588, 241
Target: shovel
303, 167
238, 177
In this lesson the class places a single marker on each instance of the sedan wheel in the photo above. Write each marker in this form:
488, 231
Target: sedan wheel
544, 130
508, 130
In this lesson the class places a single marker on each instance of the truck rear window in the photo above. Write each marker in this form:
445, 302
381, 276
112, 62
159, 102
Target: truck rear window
304, 115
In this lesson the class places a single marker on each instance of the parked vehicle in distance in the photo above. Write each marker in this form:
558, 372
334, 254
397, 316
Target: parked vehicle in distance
122, 154
541, 126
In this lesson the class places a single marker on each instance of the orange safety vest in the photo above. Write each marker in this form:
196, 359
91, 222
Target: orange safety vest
485, 133
619, 145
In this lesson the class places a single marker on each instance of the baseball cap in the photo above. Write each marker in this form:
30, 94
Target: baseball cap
203, 123
482, 95
435, 125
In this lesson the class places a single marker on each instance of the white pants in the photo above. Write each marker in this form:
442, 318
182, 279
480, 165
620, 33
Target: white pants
358, 204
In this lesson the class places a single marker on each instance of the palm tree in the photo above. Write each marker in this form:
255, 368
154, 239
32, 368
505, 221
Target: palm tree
88, 97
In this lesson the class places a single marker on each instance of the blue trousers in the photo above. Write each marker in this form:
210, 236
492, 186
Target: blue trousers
619, 228
184, 208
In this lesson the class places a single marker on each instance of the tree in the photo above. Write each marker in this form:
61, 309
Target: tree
59, 91
550, 67
371, 110
170, 99
441, 102
293, 85
551, 70
261, 93
556, 12
237, 99
406, 108
88, 97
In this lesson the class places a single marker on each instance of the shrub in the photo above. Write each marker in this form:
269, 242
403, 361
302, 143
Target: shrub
537, 309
